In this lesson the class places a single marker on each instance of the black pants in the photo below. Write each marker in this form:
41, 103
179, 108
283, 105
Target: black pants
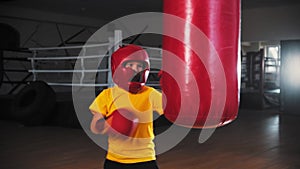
108, 164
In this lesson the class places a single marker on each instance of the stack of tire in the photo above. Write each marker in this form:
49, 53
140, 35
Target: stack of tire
31, 106
36, 105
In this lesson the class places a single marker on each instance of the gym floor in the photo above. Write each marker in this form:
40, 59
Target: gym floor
257, 139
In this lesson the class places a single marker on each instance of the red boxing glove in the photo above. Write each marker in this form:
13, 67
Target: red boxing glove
122, 122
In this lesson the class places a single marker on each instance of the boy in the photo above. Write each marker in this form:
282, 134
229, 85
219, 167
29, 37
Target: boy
125, 112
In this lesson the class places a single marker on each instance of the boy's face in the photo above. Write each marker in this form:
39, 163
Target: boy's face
135, 66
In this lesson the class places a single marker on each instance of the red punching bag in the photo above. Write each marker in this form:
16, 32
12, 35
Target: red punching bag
200, 78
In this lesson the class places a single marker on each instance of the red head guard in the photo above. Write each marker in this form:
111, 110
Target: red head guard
127, 78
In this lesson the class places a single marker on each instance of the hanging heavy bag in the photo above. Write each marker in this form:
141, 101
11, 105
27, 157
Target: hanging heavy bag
201, 62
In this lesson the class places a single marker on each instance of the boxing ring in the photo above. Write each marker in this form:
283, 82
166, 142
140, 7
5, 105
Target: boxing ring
48, 55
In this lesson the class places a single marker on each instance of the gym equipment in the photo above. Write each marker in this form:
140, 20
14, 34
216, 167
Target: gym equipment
123, 76
122, 122
34, 104
6, 106
203, 92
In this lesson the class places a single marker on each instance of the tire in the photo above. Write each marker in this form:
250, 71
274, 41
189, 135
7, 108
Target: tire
65, 115
6, 106
34, 104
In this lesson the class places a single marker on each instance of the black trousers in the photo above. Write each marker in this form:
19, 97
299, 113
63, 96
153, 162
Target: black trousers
108, 164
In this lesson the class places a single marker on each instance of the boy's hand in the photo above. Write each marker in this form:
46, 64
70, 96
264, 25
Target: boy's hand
123, 122
120, 122
98, 125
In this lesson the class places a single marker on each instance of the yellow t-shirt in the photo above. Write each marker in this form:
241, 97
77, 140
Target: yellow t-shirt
140, 146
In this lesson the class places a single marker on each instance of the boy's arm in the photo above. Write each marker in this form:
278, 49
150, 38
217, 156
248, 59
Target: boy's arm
156, 98
97, 123
97, 108
119, 122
